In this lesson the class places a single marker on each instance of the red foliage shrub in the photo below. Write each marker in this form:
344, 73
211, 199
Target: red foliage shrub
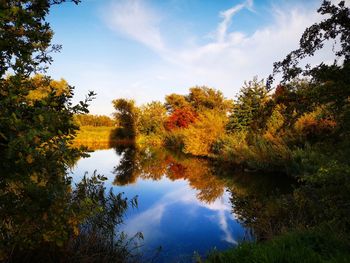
181, 118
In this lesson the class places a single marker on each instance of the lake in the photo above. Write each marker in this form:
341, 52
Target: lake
185, 205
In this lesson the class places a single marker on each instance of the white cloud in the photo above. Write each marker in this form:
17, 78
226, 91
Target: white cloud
227, 16
228, 237
223, 62
136, 20
150, 220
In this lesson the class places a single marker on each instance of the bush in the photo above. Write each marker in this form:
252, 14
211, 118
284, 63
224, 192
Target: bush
232, 147
174, 140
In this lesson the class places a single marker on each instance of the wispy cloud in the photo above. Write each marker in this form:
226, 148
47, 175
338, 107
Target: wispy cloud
227, 16
224, 61
136, 20
150, 220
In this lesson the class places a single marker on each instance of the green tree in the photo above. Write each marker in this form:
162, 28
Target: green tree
152, 118
25, 36
127, 115
249, 106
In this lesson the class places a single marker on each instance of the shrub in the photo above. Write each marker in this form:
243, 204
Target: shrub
231, 147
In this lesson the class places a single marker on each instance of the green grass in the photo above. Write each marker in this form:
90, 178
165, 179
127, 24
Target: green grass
311, 246
94, 137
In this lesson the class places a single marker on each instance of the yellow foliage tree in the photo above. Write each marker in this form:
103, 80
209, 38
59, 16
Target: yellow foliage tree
43, 87
200, 136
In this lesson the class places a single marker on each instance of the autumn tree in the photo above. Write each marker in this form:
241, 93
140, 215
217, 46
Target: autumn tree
200, 136
127, 115
152, 118
94, 120
329, 84
175, 101
200, 98
181, 118
203, 98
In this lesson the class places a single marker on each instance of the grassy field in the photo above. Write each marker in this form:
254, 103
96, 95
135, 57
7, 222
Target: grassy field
94, 137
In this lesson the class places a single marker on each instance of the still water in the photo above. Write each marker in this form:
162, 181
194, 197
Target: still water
184, 204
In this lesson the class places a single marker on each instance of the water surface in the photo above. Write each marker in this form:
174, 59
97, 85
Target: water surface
184, 204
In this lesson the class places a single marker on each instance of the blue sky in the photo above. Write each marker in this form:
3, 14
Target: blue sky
147, 49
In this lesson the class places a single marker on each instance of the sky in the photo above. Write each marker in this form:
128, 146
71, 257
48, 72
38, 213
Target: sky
147, 49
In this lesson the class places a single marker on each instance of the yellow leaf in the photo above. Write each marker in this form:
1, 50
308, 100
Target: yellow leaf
76, 230
42, 184
29, 159
34, 178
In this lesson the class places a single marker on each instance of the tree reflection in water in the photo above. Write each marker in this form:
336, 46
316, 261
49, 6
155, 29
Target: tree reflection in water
261, 202
154, 164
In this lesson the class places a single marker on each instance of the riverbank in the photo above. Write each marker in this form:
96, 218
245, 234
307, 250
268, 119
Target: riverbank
318, 245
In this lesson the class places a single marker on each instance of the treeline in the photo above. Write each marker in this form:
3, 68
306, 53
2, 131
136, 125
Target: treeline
94, 120
166, 124
260, 129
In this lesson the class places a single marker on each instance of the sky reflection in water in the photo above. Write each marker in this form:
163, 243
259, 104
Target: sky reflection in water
171, 212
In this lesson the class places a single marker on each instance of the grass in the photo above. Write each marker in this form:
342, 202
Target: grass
309, 246
94, 137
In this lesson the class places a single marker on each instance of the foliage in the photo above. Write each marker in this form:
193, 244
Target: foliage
127, 115
99, 239
231, 147
180, 118
153, 140
25, 36
314, 125
42, 90
329, 83
94, 120
200, 98
152, 118
174, 140
94, 228
36, 150
40, 214
204, 98
201, 135
336, 27
175, 101
248, 110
